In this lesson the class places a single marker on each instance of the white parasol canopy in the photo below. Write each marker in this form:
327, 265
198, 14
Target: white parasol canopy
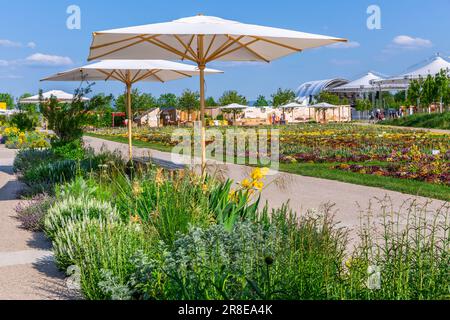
432, 68
203, 39
323, 105
130, 72
59, 95
233, 106
292, 105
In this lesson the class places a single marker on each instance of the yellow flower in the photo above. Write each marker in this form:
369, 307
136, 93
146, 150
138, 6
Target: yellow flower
246, 183
258, 185
135, 219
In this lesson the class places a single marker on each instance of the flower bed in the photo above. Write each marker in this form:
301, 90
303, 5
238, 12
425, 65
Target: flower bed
148, 233
16, 139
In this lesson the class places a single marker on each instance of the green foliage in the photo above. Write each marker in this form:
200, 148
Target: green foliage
328, 98
230, 97
67, 119
72, 150
139, 102
76, 209
261, 101
167, 100
102, 251
283, 97
189, 101
421, 120
210, 102
25, 121
363, 105
29, 158
229, 210
31, 108
9, 99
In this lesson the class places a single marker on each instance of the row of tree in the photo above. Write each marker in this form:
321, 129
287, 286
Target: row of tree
188, 100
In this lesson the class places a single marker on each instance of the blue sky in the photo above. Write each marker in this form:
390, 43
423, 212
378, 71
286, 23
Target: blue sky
34, 40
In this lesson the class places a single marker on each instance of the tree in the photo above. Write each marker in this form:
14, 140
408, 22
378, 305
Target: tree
189, 101
230, 97
363, 105
67, 119
328, 97
282, 97
139, 102
442, 82
210, 102
27, 107
261, 101
415, 92
167, 100
8, 99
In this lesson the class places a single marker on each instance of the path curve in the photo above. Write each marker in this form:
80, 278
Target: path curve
27, 269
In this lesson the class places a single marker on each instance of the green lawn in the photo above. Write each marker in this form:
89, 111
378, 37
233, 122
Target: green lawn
325, 171
431, 121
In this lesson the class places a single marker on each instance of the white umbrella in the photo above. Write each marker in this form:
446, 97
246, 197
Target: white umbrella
130, 72
59, 95
323, 105
234, 106
203, 39
292, 105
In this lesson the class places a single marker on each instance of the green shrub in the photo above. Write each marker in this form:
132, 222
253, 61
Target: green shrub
50, 173
71, 209
280, 260
102, 251
29, 158
72, 150
24, 121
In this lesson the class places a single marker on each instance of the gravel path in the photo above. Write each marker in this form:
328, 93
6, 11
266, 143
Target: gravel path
27, 270
303, 193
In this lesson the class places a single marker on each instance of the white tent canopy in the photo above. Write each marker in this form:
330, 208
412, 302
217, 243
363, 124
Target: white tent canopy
292, 105
233, 106
362, 84
431, 68
59, 95
135, 70
323, 105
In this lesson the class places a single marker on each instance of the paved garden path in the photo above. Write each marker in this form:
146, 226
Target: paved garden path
27, 270
303, 193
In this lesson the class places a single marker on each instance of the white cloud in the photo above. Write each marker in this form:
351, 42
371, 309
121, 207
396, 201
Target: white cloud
41, 59
345, 45
408, 42
31, 45
4, 63
9, 44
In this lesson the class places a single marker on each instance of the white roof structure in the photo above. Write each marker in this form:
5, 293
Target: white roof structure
292, 105
362, 84
314, 88
61, 96
431, 68
233, 106
222, 39
323, 105
139, 70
